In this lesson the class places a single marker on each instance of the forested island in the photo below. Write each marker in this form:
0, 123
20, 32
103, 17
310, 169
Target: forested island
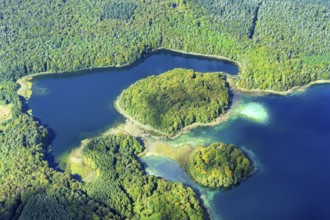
176, 99
278, 43
219, 165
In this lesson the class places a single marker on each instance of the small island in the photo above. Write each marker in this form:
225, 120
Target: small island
219, 165
169, 102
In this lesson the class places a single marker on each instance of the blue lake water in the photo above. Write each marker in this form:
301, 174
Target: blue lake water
291, 145
78, 105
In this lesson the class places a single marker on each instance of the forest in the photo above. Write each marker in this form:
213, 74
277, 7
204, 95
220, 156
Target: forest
219, 165
279, 44
175, 99
122, 184
31, 189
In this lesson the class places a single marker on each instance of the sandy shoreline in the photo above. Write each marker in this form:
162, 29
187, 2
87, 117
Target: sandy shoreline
293, 90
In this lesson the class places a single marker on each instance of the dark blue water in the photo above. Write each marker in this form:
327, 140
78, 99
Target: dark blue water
292, 149
76, 107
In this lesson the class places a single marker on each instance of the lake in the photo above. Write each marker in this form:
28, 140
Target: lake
287, 136
77, 105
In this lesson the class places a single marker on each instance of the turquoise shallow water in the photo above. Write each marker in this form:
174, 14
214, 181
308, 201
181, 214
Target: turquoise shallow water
288, 136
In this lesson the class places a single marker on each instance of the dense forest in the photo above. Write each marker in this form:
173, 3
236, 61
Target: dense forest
27, 179
122, 184
175, 99
219, 165
31, 189
279, 44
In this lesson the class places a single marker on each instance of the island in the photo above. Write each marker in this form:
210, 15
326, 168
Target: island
170, 102
219, 165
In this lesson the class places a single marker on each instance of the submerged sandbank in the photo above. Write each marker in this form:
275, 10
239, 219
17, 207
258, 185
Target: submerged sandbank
253, 111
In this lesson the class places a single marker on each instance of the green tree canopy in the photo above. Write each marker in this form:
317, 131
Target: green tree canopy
219, 165
175, 99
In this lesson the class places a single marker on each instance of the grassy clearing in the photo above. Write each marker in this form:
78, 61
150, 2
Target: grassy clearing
75, 164
5, 113
25, 89
179, 154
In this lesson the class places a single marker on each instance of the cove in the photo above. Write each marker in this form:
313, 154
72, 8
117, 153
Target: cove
75, 106
287, 136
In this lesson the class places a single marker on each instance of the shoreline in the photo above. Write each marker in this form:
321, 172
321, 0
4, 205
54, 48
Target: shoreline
293, 90
25, 80
75, 163
25, 89
218, 57
134, 121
